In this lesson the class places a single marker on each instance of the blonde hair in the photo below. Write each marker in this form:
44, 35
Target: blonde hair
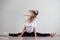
35, 13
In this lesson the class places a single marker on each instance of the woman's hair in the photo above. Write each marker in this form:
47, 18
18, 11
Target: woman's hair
35, 12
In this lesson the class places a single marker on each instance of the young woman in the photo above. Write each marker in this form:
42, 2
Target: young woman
30, 27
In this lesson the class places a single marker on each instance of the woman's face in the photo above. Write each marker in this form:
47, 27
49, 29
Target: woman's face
32, 14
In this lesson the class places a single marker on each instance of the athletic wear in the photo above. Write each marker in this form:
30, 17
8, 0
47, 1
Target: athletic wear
26, 34
30, 26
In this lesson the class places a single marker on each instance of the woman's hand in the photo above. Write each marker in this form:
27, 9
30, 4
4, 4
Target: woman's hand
20, 35
24, 29
35, 36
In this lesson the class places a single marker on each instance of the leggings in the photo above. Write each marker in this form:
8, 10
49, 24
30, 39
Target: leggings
26, 34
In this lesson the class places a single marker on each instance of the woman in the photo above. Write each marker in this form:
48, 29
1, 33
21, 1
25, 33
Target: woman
30, 27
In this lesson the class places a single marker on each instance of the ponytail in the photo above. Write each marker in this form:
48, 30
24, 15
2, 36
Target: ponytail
36, 12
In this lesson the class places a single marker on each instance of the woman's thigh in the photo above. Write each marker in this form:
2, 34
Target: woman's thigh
43, 35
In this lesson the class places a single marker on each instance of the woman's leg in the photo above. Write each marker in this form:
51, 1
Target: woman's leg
17, 34
14, 35
26, 34
43, 35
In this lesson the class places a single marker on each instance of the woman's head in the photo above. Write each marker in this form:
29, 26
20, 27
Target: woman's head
34, 13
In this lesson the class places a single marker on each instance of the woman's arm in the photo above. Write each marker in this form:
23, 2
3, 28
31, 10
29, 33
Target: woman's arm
24, 29
35, 31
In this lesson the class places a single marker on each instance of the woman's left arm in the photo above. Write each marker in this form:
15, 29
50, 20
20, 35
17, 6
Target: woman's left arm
35, 31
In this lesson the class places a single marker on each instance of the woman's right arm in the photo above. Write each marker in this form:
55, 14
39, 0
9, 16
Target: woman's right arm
24, 29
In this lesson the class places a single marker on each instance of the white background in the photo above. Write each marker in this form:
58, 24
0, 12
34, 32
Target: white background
12, 15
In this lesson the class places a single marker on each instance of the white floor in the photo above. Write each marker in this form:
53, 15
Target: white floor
29, 38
